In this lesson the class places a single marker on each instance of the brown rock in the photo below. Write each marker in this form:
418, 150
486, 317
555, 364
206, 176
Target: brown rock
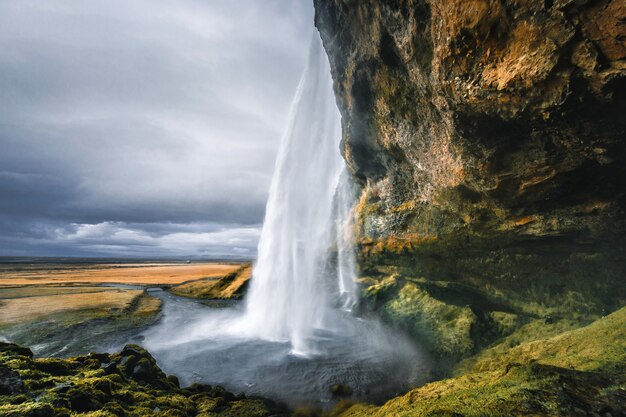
489, 140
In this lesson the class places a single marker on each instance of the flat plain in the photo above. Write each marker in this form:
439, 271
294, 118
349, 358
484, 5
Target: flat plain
12, 275
68, 308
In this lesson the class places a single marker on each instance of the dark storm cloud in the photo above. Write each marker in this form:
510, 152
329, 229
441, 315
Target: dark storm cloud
145, 128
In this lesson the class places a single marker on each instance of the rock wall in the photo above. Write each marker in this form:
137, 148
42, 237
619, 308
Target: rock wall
489, 140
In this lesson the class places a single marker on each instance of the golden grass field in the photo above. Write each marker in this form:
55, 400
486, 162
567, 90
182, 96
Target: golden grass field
229, 286
35, 292
24, 309
38, 291
139, 274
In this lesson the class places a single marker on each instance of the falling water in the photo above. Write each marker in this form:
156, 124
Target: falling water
290, 295
346, 262
296, 335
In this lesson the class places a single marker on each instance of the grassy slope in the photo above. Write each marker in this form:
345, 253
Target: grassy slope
578, 372
229, 286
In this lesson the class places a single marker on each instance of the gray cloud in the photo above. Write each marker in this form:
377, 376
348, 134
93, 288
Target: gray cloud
143, 127
121, 239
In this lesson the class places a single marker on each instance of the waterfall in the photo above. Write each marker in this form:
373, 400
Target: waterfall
294, 288
295, 336
346, 261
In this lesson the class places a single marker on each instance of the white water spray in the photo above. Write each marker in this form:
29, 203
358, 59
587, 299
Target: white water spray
291, 292
295, 337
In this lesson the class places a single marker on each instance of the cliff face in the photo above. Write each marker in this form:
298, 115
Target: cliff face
489, 138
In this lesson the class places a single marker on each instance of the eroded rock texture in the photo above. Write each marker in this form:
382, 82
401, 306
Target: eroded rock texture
489, 137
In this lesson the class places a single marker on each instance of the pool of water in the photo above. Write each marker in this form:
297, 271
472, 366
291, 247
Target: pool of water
202, 344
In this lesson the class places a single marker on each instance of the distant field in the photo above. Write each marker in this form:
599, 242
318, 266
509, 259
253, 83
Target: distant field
228, 287
48, 290
63, 308
140, 274
29, 308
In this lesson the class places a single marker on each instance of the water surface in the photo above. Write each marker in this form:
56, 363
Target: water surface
199, 344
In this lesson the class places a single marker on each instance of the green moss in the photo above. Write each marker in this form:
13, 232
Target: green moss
445, 327
380, 291
128, 384
599, 346
459, 294
27, 409
99, 413
13, 399
537, 329
54, 366
505, 323
207, 406
114, 408
525, 276
176, 402
250, 408
85, 397
578, 372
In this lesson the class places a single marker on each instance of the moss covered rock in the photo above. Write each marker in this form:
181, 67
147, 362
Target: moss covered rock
580, 372
128, 383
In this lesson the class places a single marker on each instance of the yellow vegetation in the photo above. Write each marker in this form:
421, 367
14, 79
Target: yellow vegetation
141, 274
396, 245
535, 378
228, 286
28, 308
34, 291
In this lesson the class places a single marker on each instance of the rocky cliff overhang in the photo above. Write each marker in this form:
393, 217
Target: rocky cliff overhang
489, 139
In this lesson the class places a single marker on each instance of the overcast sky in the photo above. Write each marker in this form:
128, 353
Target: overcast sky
143, 128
